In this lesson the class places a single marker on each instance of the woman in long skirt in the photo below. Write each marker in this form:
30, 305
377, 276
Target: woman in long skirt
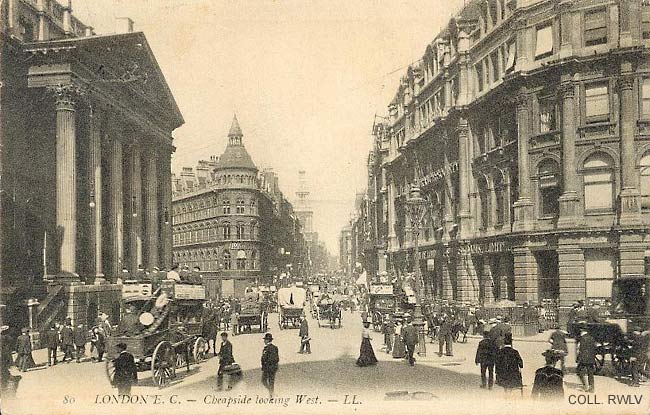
399, 350
366, 353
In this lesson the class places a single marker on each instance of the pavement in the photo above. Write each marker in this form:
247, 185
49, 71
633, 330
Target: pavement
328, 378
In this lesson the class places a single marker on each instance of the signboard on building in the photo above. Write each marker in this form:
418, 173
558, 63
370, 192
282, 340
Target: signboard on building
385, 289
135, 290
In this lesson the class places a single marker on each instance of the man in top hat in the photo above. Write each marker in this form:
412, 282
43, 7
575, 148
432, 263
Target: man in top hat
270, 360
126, 371
586, 359
67, 340
549, 382
226, 358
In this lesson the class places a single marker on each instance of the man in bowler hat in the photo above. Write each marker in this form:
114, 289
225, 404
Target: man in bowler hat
270, 360
126, 371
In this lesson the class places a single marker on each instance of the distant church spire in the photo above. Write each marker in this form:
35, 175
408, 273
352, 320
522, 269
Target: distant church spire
235, 135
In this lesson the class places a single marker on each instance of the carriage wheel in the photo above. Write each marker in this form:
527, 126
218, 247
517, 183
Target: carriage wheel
200, 349
599, 362
163, 364
110, 370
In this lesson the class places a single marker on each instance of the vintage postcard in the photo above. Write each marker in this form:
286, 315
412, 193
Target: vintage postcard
324, 207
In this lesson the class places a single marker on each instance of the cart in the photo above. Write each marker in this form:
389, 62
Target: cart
328, 312
252, 313
169, 333
291, 304
381, 303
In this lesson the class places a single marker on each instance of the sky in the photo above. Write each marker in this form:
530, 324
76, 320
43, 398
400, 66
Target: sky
305, 78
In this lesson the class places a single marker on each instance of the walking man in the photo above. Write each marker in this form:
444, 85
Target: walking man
270, 360
305, 347
486, 354
67, 340
389, 332
558, 344
80, 340
52, 343
410, 336
126, 371
24, 351
225, 359
586, 360
444, 336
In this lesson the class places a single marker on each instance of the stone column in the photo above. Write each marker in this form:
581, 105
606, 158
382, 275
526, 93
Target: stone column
630, 209
66, 190
572, 272
151, 211
135, 193
569, 200
166, 211
115, 207
463, 177
95, 191
523, 207
526, 276
467, 281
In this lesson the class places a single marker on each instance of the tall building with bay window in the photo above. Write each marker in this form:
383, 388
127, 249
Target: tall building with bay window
233, 222
526, 124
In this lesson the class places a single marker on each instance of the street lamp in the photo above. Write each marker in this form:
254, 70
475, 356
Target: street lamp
416, 209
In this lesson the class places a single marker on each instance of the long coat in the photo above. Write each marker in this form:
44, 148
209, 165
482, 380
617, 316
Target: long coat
126, 371
304, 329
52, 339
586, 350
225, 354
270, 358
67, 337
548, 383
486, 352
410, 335
23, 344
508, 367
80, 336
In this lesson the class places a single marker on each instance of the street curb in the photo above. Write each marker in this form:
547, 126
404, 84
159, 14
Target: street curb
523, 339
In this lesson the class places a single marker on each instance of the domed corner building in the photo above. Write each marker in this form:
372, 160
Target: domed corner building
219, 222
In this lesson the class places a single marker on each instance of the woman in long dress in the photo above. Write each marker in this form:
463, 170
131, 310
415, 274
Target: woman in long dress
399, 350
366, 353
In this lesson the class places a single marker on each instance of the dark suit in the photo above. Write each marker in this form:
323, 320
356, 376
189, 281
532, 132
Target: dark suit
24, 350
508, 365
52, 343
586, 360
444, 337
270, 360
410, 336
67, 342
305, 346
486, 354
225, 358
126, 373
80, 340
548, 383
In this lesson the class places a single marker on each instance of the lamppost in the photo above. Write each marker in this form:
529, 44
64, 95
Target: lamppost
416, 209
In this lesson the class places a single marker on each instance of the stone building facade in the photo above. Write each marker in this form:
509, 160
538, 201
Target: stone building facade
233, 222
87, 124
527, 126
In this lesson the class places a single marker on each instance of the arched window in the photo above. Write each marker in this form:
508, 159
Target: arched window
227, 264
240, 230
549, 188
253, 230
241, 259
484, 198
240, 206
226, 207
500, 199
644, 182
254, 259
226, 230
253, 207
598, 182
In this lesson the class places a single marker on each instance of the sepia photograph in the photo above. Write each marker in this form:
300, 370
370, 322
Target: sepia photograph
324, 207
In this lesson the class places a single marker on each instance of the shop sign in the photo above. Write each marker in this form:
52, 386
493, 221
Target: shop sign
435, 176
485, 248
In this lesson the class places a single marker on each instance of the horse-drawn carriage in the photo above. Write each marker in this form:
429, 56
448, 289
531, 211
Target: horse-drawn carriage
163, 331
291, 304
381, 304
328, 312
253, 313
630, 312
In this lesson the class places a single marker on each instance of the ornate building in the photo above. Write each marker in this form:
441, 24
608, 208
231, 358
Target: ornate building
87, 124
232, 222
527, 126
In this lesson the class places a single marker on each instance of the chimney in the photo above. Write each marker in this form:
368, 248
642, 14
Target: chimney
124, 25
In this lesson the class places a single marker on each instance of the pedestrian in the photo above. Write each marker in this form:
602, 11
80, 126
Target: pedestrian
586, 360
389, 332
98, 341
67, 340
366, 353
559, 345
210, 328
52, 344
498, 332
444, 336
234, 321
126, 371
508, 365
80, 340
486, 354
8, 382
226, 358
305, 346
25, 360
639, 356
270, 361
410, 336
549, 381
399, 349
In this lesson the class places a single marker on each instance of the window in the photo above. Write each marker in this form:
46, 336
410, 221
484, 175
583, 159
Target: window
241, 259
600, 265
644, 182
596, 27
494, 64
226, 231
240, 230
597, 102
240, 207
253, 230
254, 259
512, 56
544, 45
499, 193
598, 182
484, 198
479, 76
645, 98
549, 188
226, 207
547, 116
227, 264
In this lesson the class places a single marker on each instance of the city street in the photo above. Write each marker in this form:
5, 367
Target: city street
329, 373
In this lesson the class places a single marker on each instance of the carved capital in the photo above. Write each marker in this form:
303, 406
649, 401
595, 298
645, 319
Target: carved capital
626, 82
66, 95
522, 101
567, 89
